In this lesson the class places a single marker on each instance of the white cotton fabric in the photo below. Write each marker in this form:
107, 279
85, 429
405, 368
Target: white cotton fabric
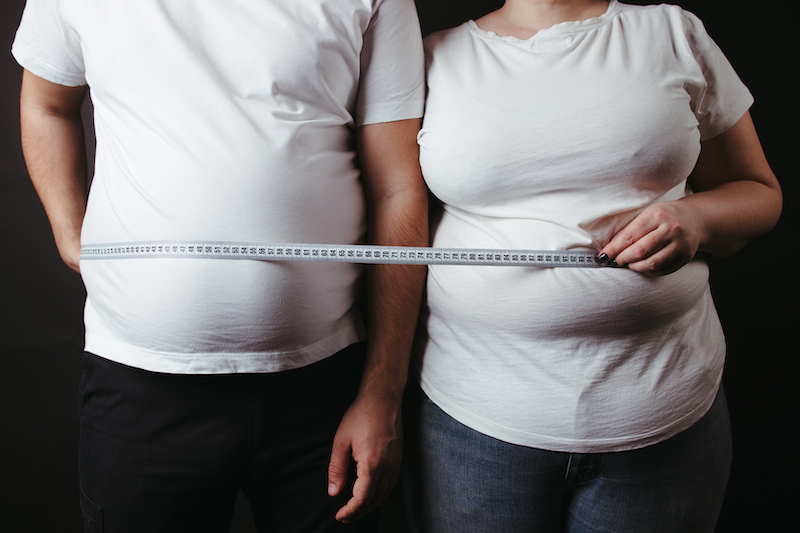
226, 121
556, 143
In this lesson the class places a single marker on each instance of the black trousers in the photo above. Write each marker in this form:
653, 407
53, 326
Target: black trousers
169, 453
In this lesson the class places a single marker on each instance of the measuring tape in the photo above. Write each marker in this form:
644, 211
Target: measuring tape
337, 253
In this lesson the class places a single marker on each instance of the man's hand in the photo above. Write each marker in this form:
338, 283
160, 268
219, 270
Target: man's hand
371, 433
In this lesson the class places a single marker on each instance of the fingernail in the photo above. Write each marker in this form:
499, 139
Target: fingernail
602, 258
331, 489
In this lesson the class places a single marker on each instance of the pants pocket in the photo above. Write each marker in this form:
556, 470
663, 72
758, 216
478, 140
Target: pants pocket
92, 515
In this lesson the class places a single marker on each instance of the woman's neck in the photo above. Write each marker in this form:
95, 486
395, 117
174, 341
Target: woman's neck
525, 18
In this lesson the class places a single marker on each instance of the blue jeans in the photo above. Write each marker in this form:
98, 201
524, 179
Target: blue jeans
459, 480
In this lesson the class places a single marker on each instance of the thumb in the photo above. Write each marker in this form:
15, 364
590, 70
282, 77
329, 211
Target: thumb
338, 467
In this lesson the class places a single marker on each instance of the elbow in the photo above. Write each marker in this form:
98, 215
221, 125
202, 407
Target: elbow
772, 207
759, 224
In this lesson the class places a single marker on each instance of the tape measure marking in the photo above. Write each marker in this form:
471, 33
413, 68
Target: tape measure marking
363, 253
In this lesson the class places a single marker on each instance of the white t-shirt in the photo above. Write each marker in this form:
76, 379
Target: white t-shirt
226, 121
556, 143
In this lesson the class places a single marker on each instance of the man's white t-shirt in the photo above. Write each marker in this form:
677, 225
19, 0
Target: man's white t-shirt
556, 143
226, 121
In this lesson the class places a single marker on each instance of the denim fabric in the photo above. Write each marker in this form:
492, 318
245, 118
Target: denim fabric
459, 480
169, 453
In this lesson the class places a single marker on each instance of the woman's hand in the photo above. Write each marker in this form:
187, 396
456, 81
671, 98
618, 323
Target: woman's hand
659, 241
736, 198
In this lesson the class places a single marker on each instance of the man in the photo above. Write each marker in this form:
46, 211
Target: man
248, 121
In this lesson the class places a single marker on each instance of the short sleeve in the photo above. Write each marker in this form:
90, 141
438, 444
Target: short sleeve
723, 98
46, 46
392, 85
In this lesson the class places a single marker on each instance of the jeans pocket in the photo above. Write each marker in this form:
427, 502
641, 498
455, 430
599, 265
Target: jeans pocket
92, 515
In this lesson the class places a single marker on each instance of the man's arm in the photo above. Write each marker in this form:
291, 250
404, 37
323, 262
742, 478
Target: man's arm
55, 154
397, 214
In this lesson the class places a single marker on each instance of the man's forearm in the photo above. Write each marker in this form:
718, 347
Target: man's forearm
397, 214
394, 295
55, 154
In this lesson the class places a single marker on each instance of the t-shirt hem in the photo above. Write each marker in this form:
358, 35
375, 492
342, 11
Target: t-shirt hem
545, 442
31, 63
390, 112
735, 114
220, 362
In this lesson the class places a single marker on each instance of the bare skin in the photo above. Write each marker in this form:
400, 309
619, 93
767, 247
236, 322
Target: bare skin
53, 145
525, 18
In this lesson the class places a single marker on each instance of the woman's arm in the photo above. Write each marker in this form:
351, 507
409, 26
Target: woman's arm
737, 198
55, 154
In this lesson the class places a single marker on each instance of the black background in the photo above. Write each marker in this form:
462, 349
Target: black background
41, 302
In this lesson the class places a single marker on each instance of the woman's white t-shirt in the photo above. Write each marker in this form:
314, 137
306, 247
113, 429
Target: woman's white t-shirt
557, 142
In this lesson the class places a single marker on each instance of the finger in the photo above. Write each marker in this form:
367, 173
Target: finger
337, 467
630, 234
644, 248
362, 501
665, 261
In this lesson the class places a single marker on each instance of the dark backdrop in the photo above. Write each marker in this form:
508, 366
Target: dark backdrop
41, 302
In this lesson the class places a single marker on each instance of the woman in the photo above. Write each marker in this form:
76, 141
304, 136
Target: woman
581, 399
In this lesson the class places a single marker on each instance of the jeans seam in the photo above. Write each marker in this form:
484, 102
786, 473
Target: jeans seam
566, 470
91, 512
82, 382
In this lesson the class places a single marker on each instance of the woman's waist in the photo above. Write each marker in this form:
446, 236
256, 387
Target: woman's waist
558, 302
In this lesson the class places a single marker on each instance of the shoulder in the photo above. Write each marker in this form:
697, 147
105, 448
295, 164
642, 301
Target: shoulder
448, 37
668, 24
650, 10
669, 14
